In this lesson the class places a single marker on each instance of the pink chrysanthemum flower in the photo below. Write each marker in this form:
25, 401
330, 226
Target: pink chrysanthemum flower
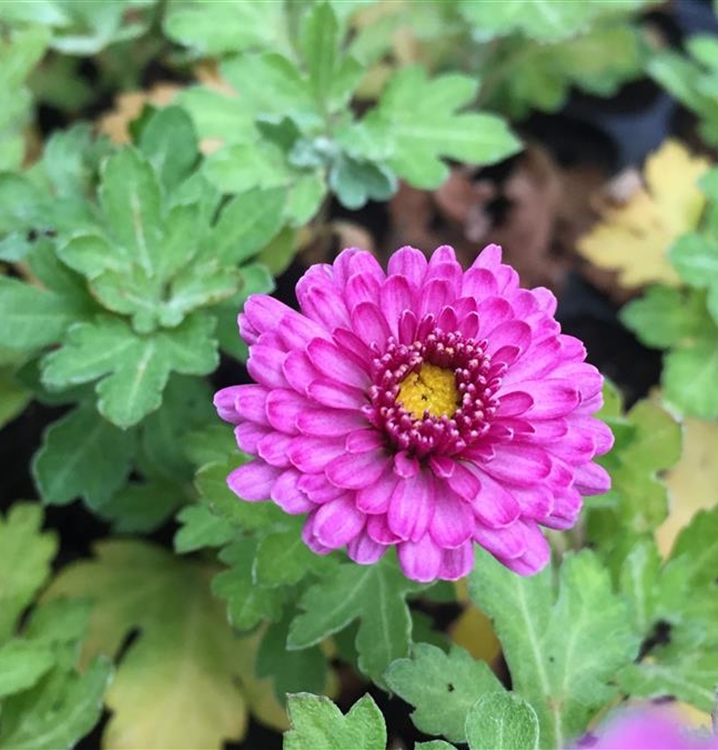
647, 728
427, 408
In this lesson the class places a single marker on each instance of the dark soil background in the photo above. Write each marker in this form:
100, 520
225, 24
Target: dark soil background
535, 204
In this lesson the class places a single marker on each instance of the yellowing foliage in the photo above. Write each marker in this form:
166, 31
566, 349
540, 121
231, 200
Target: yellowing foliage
633, 238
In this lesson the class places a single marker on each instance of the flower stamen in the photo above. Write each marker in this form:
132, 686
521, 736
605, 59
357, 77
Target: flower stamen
432, 389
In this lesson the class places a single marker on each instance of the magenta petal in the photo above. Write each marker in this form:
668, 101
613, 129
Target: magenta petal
265, 366
520, 465
457, 563
378, 529
310, 538
489, 257
330, 393
248, 435
592, 479
411, 506
329, 422
537, 554
263, 312
273, 449
408, 262
224, 402
434, 295
374, 498
356, 470
330, 361
452, 523
564, 511
319, 489
313, 454
364, 550
361, 288
287, 494
364, 439
552, 398
396, 296
338, 522
420, 561
369, 324
299, 372
283, 407
254, 480
495, 506
479, 283
512, 404
250, 403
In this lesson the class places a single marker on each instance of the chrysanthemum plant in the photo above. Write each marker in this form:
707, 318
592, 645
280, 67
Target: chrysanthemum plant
404, 435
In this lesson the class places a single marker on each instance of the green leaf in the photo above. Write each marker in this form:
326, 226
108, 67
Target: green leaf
354, 182
549, 642
131, 200
24, 564
58, 712
418, 117
186, 661
82, 455
290, 670
13, 396
434, 745
200, 528
442, 687
32, 317
320, 47
247, 603
141, 508
543, 20
664, 316
133, 369
169, 141
317, 723
283, 559
233, 26
247, 224
374, 593
689, 377
698, 544
502, 721
212, 486
22, 664
695, 257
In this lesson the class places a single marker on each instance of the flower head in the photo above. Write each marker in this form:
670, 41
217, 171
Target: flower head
427, 408
647, 729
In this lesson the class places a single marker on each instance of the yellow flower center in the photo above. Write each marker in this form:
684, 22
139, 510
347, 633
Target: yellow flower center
431, 389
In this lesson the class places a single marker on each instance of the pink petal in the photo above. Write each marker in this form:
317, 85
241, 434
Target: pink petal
537, 554
396, 296
592, 479
312, 454
331, 393
408, 262
319, 489
330, 361
337, 523
509, 333
457, 563
421, 560
374, 498
361, 288
378, 529
489, 257
479, 283
552, 398
253, 481
262, 312
310, 539
299, 371
288, 496
273, 448
434, 295
250, 402
225, 403
411, 506
369, 324
329, 422
248, 435
364, 550
495, 506
565, 509
512, 404
521, 466
452, 523
357, 470
265, 366
364, 439
283, 407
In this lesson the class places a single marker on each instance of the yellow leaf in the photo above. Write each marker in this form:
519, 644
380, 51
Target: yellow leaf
693, 482
473, 630
633, 238
187, 680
